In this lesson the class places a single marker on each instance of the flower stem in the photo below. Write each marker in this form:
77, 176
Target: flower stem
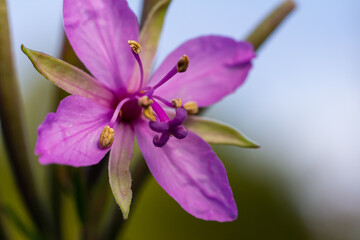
147, 7
270, 23
12, 121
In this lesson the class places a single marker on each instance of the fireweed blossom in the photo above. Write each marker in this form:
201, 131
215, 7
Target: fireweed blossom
121, 101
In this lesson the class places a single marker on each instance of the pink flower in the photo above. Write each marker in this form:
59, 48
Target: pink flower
108, 111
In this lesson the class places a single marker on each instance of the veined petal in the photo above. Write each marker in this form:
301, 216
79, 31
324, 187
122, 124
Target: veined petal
217, 133
119, 173
71, 135
98, 31
190, 172
217, 66
70, 78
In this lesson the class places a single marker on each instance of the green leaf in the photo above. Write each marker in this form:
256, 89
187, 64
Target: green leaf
69, 78
217, 133
150, 34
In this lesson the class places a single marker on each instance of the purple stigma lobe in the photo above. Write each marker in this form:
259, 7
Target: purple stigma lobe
180, 132
162, 140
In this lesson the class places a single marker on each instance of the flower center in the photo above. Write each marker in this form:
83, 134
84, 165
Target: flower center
145, 100
130, 111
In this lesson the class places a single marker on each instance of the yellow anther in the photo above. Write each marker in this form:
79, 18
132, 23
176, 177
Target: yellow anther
149, 113
145, 101
176, 102
191, 107
135, 46
106, 137
183, 64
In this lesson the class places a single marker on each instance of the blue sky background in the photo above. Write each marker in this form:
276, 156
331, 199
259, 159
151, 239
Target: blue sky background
300, 102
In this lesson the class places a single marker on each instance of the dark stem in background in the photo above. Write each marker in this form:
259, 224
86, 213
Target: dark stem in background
55, 199
270, 23
12, 121
2, 230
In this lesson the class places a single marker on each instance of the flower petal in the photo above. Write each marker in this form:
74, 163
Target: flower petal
71, 135
217, 133
190, 172
217, 66
119, 173
98, 31
70, 78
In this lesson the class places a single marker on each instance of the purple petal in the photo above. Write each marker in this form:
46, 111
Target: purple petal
218, 65
71, 135
98, 31
119, 173
191, 173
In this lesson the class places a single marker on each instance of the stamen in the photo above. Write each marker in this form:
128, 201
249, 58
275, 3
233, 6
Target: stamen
145, 101
183, 64
136, 49
191, 107
135, 46
117, 113
149, 113
106, 137
180, 67
176, 102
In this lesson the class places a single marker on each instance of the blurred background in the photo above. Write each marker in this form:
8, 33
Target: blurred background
300, 104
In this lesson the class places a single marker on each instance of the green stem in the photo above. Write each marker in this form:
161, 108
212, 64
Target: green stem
147, 7
12, 121
270, 23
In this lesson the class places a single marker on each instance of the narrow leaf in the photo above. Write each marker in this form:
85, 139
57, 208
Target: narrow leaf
69, 78
217, 133
150, 34
119, 163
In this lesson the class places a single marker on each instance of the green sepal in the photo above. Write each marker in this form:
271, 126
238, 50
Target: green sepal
71, 79
218, 133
